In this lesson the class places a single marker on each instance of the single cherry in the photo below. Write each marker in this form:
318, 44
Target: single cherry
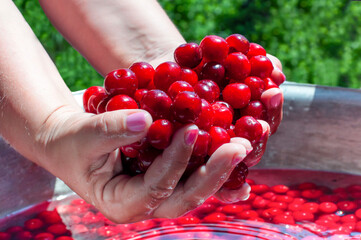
255, 49
214, 48
186, 107
219, 136
237, 66
160, 133
238, 43
208, 90
249, 128
237, 177
166, 74
157, 103
188, 55
205, 118
237, 95
177, 87
121, 81
121, 102
261, 66
189, 76
144, 73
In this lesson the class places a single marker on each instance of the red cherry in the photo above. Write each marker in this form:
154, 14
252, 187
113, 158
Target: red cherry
237, 95
102, 104
166, 74
121, 81
310, 207
133, 149
189, 76
283, 219
303, 216
238, 43
219, 136
327, 207
157, 103
280, 189
50, 217
201, 146
15, 229
269, 83
188, 220
254, 109
261, 66
144, 73
64, 238
237, 66
237, 177
248, 214
284, 198
186, 107
160, 133
214, 217
138, 95
259, 188
269, 195
120, 102
146, 158
280, 205
57, 229
33, 224
249, 128
257, 87
188, 55
269, 213
24, 235
311, 193
222, 115
255, 49
177, 87
205, 118
232, 209
230, 131
95, 99
214, 48
89, 92
347, 206
5, 236
260, 202
213, 71
208, 90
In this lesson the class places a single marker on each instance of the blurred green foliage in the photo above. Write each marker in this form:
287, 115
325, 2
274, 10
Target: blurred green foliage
318, 41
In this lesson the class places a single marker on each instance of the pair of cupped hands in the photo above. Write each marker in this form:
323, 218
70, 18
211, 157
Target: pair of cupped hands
83, 150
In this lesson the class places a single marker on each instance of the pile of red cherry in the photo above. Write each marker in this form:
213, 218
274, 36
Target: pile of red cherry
216, 85
325, 213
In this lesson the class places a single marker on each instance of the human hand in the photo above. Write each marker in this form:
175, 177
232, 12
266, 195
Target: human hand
83, 150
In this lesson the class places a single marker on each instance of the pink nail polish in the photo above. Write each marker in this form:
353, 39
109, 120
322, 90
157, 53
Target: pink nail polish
191, 136
275, 100
136, 122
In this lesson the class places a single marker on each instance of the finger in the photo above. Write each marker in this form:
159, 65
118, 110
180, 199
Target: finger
147, 191
276, 62
243, 141
273, 101
204, 182
234, 195
110, 130
163, 175
259, 148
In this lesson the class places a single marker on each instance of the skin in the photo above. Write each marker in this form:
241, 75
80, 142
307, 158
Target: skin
82, 148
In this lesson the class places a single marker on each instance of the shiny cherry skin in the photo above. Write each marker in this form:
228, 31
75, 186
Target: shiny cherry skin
166, 74
222, 115
177, 87
144, 73
237, 95
248, 127
214, 48
257, 87
254, 109
138, 95
201, 146
188, 55
95, 99
238, 43
213, 71
121, 102
205, 118
157, 103
237, 177
160, 133
102, 104
219, 136
237, 66
255, 49
89, 92
121, 81
208, 90
186, 107
269, 83
261, 66
189, 76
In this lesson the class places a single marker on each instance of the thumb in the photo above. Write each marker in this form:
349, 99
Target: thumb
111, 130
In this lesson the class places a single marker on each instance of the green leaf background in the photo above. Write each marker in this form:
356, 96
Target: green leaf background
318, 41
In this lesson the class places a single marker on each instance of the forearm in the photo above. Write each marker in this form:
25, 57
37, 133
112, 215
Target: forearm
115, 34
30, 85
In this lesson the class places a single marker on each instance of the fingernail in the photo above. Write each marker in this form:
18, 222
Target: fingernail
191, 136
237, 159
136, 122
275, 100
